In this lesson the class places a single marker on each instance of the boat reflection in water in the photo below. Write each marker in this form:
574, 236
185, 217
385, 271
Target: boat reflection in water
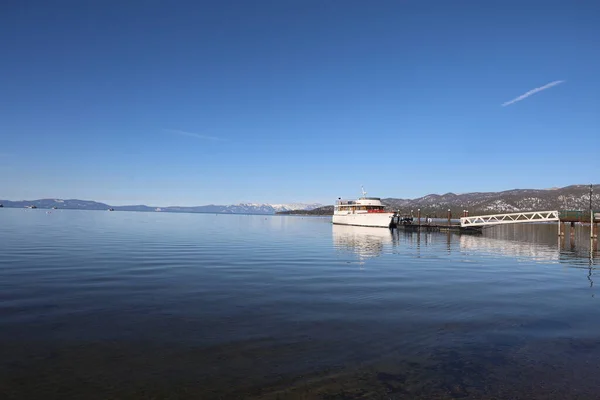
365, 242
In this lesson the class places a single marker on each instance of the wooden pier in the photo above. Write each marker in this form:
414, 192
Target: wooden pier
409, 223
475, 224
438, 228
579, 217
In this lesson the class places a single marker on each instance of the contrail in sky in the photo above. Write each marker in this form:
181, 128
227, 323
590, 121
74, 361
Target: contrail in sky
192, 134
532, 91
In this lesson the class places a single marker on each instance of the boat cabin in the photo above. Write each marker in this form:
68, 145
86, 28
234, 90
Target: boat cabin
364, 205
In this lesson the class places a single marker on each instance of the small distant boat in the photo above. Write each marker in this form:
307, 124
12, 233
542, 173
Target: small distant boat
1, 205
54, 208
31, 206
111, 209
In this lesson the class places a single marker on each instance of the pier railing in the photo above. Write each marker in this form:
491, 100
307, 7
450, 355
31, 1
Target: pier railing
511, 218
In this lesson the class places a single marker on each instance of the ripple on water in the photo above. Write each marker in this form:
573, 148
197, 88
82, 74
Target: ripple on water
259, 306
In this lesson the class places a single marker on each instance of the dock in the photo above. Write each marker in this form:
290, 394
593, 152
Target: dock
408, 223
475, 224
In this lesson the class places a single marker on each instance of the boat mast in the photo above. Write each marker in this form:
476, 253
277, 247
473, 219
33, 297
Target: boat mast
363, 191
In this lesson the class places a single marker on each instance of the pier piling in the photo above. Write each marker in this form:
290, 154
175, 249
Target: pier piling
591, 212
561, 228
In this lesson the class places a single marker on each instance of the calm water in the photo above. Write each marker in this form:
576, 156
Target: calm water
97, 305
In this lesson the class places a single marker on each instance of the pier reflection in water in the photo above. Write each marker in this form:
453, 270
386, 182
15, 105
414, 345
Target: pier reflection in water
532, 241
527, 242
542, 240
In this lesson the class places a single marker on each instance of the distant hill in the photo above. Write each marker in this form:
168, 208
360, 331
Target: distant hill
244, 208
58, 203
325, 210
575, 197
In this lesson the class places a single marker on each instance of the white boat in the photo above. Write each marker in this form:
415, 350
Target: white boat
365, 211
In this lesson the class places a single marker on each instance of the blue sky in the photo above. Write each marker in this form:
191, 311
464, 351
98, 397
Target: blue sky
192, 102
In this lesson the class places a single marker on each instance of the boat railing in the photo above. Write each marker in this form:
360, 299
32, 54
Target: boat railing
345, 202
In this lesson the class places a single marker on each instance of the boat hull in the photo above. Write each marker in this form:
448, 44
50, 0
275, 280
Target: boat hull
378, 220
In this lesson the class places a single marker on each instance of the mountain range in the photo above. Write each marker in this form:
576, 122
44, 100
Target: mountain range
574, 197
243, 208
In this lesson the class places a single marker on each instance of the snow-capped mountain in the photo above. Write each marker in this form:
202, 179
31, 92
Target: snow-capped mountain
280, 207
245, 208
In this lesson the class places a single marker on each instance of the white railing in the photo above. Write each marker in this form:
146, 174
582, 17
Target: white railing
512, 218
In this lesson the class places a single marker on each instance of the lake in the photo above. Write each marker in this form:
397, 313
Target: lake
98, 305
